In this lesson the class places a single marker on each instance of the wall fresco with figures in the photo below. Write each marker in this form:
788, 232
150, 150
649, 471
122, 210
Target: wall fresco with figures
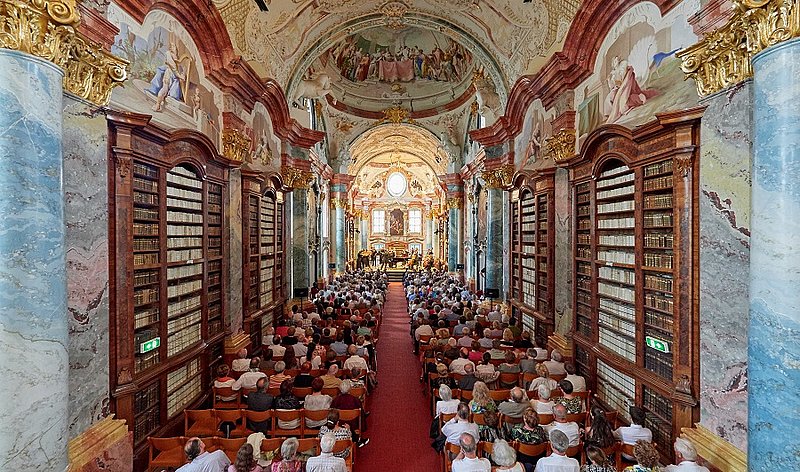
166, 76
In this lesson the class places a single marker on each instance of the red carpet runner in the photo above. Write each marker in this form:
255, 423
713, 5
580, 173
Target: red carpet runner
399, 419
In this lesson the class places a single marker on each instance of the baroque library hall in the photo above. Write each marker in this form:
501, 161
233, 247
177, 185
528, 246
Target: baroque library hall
401, 235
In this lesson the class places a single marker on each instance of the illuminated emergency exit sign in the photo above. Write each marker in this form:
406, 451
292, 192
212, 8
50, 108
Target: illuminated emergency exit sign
148, 346
657, 344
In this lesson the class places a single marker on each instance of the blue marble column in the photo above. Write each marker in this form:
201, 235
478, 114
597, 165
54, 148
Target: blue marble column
341, 249
300, 239
494, 239
33, 299
428, 232
453, 236
365, 233
774, 337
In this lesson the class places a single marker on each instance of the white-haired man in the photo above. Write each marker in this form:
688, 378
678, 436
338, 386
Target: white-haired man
556, 363
326, 461
686, 457
460, 424
560, 423
202, 461
468, 460
558, 460
241, 363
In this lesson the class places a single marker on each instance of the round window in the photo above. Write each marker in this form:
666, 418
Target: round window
396, 184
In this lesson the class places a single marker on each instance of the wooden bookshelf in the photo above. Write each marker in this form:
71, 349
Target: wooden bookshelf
168, 272
262, 206
635, 270
532, 252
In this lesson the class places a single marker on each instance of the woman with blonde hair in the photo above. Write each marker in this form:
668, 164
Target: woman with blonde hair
481, 401
647, 457
508, 338
542, 379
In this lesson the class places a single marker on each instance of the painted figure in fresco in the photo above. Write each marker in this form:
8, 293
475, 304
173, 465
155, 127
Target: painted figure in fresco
170, 78
534, 146
625, 94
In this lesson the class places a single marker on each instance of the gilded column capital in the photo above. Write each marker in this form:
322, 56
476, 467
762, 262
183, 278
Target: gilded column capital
339, 202
455, 202
723, 57
47, 29
236, 145
296, 178
560, 146
499, 178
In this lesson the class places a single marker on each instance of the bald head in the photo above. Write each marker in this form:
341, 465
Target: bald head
516, 395
560, 413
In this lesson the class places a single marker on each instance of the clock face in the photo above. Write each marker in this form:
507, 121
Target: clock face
396, 184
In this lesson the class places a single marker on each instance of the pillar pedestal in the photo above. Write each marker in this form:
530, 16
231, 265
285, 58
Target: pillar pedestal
33, 319
774, 334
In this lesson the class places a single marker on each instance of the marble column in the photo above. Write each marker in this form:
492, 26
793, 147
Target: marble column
774, 336
494, 239
341, 248
428, 233
453, 236
33, 319
365, 233
300, 239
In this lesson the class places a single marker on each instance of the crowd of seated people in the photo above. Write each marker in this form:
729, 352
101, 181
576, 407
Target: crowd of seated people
501, 400
317, 356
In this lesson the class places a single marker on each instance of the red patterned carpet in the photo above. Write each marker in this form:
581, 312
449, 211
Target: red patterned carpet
399, 419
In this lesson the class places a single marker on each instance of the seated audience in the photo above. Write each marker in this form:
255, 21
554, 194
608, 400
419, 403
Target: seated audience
516, 405
505, 457
558, 461
287, 401
341, 431
458, 366
485, 371
467, 460
304, 378
555, 365
447, 404
496, 353
245, 461
442, 377
468, 379
259, 400
223, 380
599, 433
528, 363
524, 342
490, 430
636, 431
316, 401
529, 432
573, 403
560, 423
597, 461
289, 461
346, 401
200, 460
543, 406
578, 382
542, 379
267, 362
481, 401
248, 379
354, 360
241, 363
646, 457
686, 458
276, 379
330, 379
326, 461
460, 424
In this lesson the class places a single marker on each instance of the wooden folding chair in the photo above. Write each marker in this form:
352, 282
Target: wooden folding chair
166, 452
500, 395
622, 451
485, 449
331, 391
508, 378
232, 416
450, 451
199, 423
544, 419
286, 416
308, 444
313, 415
531, 450
559, 377
345, 445
227, 392
230, 446
349, 416
301, 392
466, 395
256, 417
478, 419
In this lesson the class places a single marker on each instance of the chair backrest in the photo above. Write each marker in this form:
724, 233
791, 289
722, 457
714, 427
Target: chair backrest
544, 419
192, 417
478, 418
445, 417
485, 449
531, 450
173, 449
351, 415
229, 415
308, 444
292, 372
466, 395
558, 377
574, 451
272, 445
508, 378
301, 392
230, 446
318, 372
359, 392
275, 391
257, 416
527, 377
314, 415
579, 418
345, 445
227, 392
330, 391
509, 420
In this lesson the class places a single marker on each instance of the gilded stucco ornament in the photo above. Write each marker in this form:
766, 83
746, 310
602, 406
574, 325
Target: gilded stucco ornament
47, 29
560, 146
395, 115
236, 146
296, 178
723, 58
339, 202
499, 177
455, 202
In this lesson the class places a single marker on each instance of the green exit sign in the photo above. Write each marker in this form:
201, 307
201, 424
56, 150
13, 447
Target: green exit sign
148, 346
657, 344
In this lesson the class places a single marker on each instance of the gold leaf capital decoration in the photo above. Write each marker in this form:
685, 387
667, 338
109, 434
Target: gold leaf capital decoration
500, 177
455, 202
296, 178
339, 202
723, 57
235, 145
47, 29
395, 115
560, 146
